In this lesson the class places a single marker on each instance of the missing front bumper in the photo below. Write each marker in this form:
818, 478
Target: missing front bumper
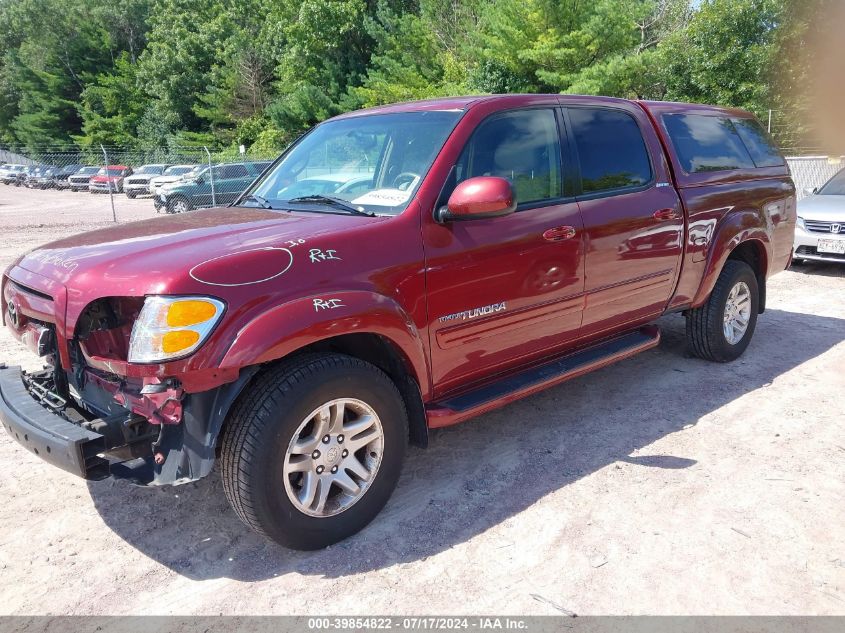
53, 438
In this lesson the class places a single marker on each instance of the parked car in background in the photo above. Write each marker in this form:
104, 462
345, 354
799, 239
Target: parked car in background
109, 178
505, 244
62, 174
80, 180
9, 174
42, 178
820, 234
172, 174
195, 190
138, 184
33, 175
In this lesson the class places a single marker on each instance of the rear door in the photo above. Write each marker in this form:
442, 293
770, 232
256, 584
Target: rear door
233, 180
633, 219
201, 193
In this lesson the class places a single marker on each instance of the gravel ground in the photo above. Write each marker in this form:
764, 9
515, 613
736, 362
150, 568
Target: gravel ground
660, 485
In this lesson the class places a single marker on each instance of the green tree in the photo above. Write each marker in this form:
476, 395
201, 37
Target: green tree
112, 106
724, 55
417, 54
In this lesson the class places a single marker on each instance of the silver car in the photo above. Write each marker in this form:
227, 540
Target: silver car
820, 234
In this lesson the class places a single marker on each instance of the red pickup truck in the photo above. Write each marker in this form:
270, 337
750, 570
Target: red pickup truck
395, 270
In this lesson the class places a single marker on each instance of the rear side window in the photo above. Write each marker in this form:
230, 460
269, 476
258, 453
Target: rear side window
757, 142
234, 171
611, 149
706, 143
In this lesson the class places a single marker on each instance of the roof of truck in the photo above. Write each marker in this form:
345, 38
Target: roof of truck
515, 100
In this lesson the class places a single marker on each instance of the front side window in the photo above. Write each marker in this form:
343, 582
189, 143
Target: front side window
522, 146
611, 150
372, 163
706, 143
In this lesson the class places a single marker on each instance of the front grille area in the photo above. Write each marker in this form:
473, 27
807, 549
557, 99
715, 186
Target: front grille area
818, 226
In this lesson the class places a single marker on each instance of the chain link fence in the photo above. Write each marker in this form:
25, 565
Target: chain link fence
809, 172
197, 177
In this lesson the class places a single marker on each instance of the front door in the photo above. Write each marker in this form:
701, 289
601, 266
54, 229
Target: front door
502, 291
633, 219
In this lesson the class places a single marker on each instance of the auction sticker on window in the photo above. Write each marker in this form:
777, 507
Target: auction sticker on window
384, 197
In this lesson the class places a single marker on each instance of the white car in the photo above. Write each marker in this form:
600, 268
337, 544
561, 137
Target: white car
820, 233
171, 174
138, 184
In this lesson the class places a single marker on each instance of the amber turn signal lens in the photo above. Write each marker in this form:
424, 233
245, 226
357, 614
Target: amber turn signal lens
176, 341
191, 312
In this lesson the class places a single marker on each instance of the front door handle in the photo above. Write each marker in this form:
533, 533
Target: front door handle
559, 233
666, 214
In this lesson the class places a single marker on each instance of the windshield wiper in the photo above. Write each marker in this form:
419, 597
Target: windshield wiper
337, 203
261, 201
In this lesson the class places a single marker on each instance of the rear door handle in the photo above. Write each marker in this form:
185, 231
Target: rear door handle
666, 214
559, 233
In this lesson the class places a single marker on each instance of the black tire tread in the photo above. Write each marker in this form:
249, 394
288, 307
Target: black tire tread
254, 410
701, 321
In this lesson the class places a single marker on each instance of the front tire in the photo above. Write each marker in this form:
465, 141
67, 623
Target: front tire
722, 328
130, 194
313, 449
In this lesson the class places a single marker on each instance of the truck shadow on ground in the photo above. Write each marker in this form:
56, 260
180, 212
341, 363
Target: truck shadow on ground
476, 475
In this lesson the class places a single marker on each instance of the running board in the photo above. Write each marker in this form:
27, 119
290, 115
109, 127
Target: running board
493, 395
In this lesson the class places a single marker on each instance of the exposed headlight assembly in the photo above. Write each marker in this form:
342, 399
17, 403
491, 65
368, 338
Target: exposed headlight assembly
172, 327
801, 224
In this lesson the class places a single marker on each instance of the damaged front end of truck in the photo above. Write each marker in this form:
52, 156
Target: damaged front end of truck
89, 410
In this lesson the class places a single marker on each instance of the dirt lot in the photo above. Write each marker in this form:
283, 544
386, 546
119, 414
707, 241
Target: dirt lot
662, 485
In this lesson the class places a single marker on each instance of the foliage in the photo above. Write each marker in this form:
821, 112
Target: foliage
153, 73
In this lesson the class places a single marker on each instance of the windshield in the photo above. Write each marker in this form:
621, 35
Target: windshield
149, 169
835, 186
88, 170
108, 172
374, 162
177, 171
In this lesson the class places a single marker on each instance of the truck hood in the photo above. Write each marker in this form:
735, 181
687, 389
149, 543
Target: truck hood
157, 255
160, 180
825, 208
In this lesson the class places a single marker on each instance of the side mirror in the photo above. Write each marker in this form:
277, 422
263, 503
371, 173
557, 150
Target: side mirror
478, 198
198, 180
811, 191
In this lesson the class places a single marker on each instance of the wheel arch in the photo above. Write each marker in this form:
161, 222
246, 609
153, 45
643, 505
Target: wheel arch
370, 326
382, 352
753, 252
741, 237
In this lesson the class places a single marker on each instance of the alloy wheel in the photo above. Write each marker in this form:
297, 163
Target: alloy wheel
333, 457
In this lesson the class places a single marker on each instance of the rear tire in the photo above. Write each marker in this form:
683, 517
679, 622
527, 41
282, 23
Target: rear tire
722, 328
267, 461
